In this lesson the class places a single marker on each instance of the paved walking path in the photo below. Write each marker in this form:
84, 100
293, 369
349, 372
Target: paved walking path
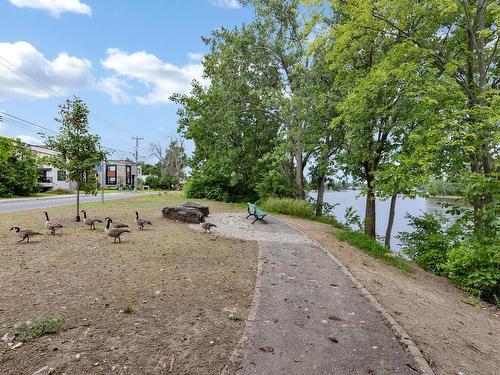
308, 316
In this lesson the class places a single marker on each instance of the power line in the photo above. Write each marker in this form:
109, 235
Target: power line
19, 122
44, 87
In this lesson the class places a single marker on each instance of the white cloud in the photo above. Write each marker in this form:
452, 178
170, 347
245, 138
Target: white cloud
27, 73
55, 7
29, 139
230, 4
162, 78
195, 56
114, 87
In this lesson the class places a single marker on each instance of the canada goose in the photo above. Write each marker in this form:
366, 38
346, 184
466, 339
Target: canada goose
141, 222
25, 234
206, 225
90, 221
51, 225
116, 224
114, 232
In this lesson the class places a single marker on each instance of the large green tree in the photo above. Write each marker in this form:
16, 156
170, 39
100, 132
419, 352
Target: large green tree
18, 163
458, 39
79, 152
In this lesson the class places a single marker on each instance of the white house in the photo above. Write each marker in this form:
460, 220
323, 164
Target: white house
50, 177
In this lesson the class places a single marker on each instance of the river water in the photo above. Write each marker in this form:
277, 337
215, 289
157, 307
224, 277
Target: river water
414, 207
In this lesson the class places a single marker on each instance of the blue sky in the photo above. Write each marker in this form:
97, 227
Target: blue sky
124, 58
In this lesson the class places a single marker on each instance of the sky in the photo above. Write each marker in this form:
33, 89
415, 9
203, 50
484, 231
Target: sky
124, 58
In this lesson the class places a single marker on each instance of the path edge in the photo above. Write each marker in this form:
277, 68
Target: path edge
401, 334
238, 352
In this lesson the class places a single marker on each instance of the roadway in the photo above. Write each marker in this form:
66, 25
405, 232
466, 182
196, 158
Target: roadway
10, 205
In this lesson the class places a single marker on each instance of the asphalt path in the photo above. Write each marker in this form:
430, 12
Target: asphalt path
10, 205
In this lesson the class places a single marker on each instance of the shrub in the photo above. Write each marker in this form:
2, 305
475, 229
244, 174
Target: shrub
154, 182
430, 242
476, 267
288, 206
373, 248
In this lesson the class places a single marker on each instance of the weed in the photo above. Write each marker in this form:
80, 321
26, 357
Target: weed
234, 317
37, 328
128, 309
3, 358
42, 348
470, 300
428, 359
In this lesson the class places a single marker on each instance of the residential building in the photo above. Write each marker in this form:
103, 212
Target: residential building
120, 174
50, 177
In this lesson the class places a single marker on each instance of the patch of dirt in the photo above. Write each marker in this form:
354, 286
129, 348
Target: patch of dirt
184, 288
455, 337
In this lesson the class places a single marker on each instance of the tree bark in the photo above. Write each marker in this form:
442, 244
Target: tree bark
299, 176
370, 210
77, 202
392, 211
321, 195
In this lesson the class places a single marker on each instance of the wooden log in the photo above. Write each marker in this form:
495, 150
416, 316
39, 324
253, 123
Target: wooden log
200, 207
186, 214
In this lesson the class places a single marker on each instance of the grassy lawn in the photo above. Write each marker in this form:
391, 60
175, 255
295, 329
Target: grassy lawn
165, 297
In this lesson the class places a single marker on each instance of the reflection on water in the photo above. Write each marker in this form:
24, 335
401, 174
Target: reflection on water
414, 207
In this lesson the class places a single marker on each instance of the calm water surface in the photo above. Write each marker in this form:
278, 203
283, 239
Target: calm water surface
415, 207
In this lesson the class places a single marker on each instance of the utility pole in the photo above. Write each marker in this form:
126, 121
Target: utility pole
137, 139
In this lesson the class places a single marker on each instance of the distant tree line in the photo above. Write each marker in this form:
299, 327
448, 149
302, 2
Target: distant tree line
387, 92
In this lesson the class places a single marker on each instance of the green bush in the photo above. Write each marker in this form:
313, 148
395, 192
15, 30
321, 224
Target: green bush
373, 248
430, 241
154, 182
288, 206
476, 267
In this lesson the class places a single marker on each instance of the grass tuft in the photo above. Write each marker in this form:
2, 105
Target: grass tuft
128, 309
42, 348
370, 246
37, 328
470, 300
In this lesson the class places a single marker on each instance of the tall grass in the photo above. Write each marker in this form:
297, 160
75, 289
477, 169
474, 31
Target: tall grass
287, 206
297, 208
373, 248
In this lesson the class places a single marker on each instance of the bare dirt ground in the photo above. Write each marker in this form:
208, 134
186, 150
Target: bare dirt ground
190, 293
455, 337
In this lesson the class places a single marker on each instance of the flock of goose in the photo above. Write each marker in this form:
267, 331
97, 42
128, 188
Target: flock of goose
113, 229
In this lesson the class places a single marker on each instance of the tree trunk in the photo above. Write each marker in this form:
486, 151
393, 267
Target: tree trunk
392, 211
77, 202
370, 210
299, 176
321, 195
